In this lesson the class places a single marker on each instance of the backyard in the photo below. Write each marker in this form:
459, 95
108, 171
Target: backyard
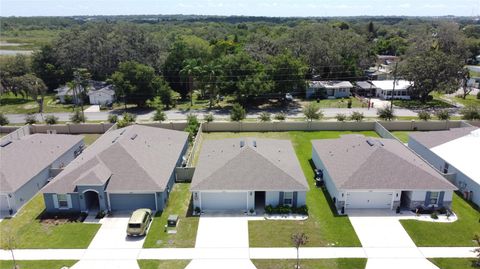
159, 264
27, 230
178, 204
57, 264
323, 227
457, 234
402, 135
312, 264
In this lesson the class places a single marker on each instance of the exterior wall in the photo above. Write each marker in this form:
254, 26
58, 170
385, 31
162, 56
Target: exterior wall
68, 156
50, 204
102, 197
417, 198
130, 201
332, 189
301, 198
251, 200
100, 98
340, 93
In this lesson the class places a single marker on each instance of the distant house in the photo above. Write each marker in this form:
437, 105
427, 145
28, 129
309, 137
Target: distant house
384, 88
365, 88
455, 151
361, 172
102, 96
125, 169
99, 93
383, 68
65, 95
241, 174
328, 89
29, 163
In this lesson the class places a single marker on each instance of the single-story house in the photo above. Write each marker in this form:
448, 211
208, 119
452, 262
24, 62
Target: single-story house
125, 169
241, 174
362, 172
27, 164
328, 89
455, 152
102, 96
365, 88
401, 89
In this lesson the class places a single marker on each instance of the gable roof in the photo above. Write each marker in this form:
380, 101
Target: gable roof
260, 165
435, 138
357, 162
23, 159
134, 158
366, 85
109, 89
387, 85
331, 84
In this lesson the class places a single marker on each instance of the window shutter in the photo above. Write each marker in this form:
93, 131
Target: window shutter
55, 200
294, 203
440, 198
69, 201
427, 199
280, 198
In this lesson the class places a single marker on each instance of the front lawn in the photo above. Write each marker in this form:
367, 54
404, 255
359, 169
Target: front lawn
417, 104
160, 264
57, 264
312, 264
178, 204
11, 104
470, 100
339, 103
29, 232
454, 263
456, 234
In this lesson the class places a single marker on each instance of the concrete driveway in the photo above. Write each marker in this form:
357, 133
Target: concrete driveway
112, 234
222, 232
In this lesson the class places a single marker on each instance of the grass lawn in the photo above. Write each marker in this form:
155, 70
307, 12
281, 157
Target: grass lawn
57, 264
90, 138
402, 135
339, 103
312, 264
185, 105
456, 234
454, 263
29, 232
416, 104
160, 264
178, 204
323, 227
469, 100
11, 104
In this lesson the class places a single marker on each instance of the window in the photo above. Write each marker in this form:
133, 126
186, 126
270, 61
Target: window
434, 198
288, 198
62, 200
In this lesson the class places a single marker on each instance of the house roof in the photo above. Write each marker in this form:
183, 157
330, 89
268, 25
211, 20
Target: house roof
332, 84
365, 85
435, 138
23, 159
106, 90
358, 162
134, 158
260, 165
462, 153
387, 85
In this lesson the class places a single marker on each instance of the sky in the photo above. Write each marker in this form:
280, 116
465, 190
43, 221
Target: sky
272, 8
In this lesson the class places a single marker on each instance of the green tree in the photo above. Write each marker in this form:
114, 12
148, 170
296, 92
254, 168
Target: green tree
288, 73
442, 114
163, 91
357, 116
33, 87
265, 116
127, 119
135, 82
44, 65
238, 113
312, 112
424, 115
386, 113
192, 126
159, 115
51, 119
3, 120
190, 71
299, 239
77, 117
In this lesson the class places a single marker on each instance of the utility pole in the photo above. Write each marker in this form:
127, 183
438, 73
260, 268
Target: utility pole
394, 82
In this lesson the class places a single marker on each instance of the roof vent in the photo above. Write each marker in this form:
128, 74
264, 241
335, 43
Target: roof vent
123, 131
370, 142
133, 136
115, 139
242, 143
5, 143
255, 143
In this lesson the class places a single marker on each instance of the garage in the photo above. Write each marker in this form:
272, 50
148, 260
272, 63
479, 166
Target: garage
3, 203
369, 200
224, 200
131, 201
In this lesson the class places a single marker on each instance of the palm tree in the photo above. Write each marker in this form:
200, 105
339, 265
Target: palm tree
191, 69
79, 86
211, 72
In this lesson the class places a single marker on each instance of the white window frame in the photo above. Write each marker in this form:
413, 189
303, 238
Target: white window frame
285, 198
62, 198
434, 200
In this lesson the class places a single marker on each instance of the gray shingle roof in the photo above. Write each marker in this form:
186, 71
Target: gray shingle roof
268, 166
353, 163
23, 159
435, 138
144, 163
365, 85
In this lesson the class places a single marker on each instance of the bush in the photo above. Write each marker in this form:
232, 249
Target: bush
434, 215
341, 117
424, 115
30, 119
127, 119
349, 103
3, 120
77, 117
192, 126
285, 209
264, 117
442, 114
312, 112
470, 112
238, 113
51, 119
159, 115
112, 118
386, 113
478, 95
357, 116
208, 117
280, 116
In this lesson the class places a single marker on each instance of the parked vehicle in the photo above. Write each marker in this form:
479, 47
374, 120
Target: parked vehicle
288, 97
139, 222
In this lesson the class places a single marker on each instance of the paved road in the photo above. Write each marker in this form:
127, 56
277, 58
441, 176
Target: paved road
218, 114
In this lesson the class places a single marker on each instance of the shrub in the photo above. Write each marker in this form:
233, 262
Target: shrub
159, 115
208, 117
478, 95
197, 210
3, 120
312, 112
30, 119
77, 117
127, 119
303, 210
341, 117
264, 117
51, 119
349, 103
192, 126
269, 209
280, 116
434, 215
386, 113
424, 115
442, 114
470, 112
112, 118
238, 113
357, 116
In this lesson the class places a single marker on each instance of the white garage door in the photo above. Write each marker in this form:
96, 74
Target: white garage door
3, 203
369, 200
224, 200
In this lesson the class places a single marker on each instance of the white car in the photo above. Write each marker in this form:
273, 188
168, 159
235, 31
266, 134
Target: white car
288, 97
